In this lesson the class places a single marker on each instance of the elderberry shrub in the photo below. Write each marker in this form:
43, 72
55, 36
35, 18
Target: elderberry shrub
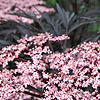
33, 69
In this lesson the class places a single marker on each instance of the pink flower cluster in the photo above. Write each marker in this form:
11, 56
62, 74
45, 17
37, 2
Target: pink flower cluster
9, 6
50, 74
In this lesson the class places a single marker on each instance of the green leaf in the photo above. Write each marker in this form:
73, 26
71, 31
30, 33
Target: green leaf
1, 67
11, 65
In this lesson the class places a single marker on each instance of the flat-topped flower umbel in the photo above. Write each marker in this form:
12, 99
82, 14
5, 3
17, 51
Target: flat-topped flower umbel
34, 69
9, 6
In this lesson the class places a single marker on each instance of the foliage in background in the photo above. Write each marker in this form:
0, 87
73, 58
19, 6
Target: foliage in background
80, 7
50, 3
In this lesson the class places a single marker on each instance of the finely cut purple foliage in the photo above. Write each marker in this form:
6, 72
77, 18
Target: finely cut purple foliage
70, 75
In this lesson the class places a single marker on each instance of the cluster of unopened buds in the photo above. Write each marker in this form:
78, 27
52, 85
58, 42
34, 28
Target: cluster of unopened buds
35, 70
